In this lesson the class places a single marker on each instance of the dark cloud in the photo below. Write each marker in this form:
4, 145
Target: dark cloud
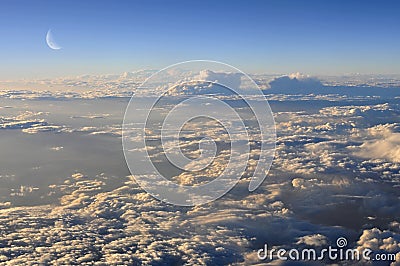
295, 84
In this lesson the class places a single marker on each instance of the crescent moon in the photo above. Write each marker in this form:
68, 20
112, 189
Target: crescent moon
50, 41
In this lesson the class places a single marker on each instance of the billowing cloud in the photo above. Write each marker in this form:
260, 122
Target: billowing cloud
385, 148
294, 84
381, 242
335, 173
231, 80
297, 83
313, 240
208, 82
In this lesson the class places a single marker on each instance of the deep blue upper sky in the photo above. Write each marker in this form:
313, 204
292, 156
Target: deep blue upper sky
314, 37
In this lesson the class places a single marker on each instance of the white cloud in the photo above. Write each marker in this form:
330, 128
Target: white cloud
326, 181
380, 241
231, 80
313, 240
387, 148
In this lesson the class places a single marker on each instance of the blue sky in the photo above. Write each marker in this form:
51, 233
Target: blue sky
313, 37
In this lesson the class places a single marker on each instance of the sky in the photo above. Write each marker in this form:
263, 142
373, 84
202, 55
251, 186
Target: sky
99, 37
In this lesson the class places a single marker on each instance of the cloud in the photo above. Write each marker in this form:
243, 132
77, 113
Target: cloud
294, 84
128, 226
231, 80
297, 83
380, 242
319, 188
39, 128
208, 82
313, 240
127, 84
29, 122
387, 148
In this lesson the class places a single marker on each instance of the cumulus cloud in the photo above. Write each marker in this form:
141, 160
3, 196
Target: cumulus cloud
231, 80
128, 226
386, 148
29, 122
313, 240
295, 84
380, 242
326, 181
208, 82
128, 83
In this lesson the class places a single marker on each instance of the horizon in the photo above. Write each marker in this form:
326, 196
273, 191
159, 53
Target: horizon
254, 73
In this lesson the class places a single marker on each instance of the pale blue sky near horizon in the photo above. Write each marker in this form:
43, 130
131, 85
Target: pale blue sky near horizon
99, 37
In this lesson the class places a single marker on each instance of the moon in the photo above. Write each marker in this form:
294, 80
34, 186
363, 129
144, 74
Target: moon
51, 42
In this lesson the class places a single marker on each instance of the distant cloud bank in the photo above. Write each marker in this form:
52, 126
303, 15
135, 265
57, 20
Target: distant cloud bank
297, 83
